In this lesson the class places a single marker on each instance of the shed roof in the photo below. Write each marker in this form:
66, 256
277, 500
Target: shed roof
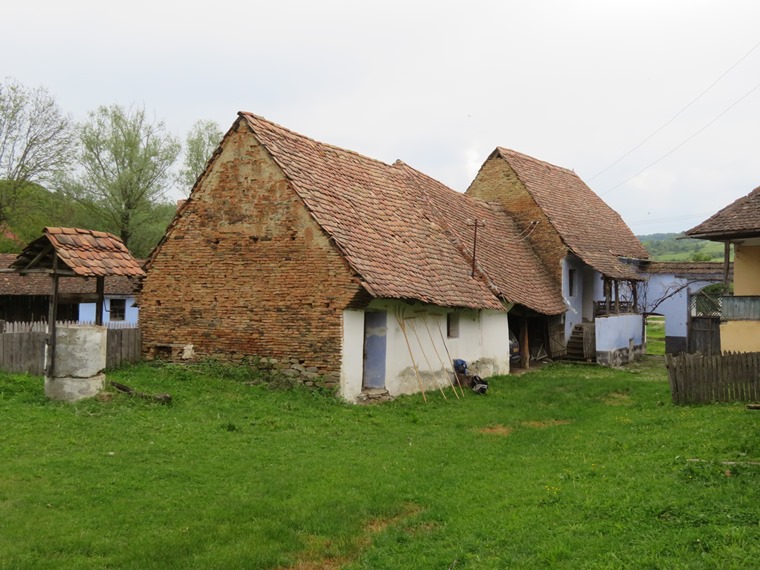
391, 224
740, 219
83, 253
589, 227
702, 270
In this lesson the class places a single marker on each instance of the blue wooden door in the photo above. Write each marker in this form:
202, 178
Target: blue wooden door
375, 329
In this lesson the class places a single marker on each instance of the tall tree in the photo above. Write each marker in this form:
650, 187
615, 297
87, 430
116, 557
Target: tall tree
36, 142
125, 162
201, 141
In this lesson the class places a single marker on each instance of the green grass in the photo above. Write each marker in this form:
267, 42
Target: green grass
656, 335
567, 467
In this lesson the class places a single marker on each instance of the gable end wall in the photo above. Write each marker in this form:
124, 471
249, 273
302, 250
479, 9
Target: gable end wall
246, 271
498, 182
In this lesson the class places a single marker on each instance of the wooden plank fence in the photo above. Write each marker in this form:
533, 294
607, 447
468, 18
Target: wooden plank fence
728, 377
22, 346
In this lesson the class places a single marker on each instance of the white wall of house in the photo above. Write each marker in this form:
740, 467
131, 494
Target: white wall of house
675, 308
573, 281
616, 332
482, 340
87, 310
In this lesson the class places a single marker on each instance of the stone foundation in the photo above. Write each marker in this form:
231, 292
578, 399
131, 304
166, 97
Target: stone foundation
620, 357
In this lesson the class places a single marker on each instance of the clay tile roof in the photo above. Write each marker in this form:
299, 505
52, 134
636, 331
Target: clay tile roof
589, 227
85, 253
739, 219
502, 253
379, 219
15, 284
702, 270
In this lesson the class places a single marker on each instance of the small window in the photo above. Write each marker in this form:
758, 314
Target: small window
118, 309
571, 282
452, 325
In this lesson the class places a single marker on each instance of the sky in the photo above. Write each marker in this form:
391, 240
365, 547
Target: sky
439, 85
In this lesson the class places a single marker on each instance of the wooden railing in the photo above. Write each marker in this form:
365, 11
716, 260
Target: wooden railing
623, 307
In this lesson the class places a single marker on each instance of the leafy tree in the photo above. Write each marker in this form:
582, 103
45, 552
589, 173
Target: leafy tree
201, 141
36, 142
125, 162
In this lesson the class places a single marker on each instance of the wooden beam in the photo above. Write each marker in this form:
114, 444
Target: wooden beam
52, 318
45, 250
524, 348
726, 265
61, 272
617, 298
100, 292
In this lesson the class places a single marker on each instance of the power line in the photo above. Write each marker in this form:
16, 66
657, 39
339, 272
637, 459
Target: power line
697, 98
675, 148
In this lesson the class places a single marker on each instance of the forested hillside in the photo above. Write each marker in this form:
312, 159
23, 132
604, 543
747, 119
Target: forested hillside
668, 247
37, 208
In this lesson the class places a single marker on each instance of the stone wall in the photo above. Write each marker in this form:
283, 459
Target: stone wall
245, 270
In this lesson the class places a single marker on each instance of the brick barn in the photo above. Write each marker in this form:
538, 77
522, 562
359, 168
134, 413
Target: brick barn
348, 270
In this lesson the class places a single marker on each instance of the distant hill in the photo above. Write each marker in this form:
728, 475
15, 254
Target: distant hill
667, 247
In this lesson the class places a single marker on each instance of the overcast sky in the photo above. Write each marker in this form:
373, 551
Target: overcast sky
437, 84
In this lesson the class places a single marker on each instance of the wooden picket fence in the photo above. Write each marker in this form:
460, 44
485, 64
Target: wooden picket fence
22, 346
727, 377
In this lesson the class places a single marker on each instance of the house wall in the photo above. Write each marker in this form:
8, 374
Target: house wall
675, 308
87, 311
497, 182
743, 336
244, 270
483, 341
740, 336
618, 339
575, 308
746, 270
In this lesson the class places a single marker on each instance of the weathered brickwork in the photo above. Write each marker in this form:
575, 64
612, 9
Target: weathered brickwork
246, 271
498, 182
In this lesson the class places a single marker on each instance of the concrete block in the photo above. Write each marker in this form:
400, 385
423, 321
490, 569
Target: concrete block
69, 389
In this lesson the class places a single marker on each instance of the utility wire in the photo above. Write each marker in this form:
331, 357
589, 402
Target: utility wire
697, 98
675, 148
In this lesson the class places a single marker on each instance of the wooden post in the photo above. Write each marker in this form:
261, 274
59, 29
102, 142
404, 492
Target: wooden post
524, 348
100, 292
52, 318
607, 294
726, 265
617, 298
634, 289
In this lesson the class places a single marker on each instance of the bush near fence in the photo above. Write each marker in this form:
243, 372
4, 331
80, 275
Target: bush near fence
22, 346
729, 377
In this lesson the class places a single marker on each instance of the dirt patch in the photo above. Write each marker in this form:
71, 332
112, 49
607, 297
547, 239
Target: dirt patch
545, 423
311, 560
498, 429
617, 399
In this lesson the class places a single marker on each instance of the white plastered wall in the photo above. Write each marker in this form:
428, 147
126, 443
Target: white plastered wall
483, 341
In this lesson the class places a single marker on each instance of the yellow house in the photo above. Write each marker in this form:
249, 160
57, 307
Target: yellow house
739, 224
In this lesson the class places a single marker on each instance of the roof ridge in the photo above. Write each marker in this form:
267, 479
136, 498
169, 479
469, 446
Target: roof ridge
502, 150
291, 132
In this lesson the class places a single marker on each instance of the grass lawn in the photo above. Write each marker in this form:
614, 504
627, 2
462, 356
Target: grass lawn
656, 335
570, 466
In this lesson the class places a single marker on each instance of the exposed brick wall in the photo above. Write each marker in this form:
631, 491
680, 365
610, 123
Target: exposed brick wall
498, 182
246, 271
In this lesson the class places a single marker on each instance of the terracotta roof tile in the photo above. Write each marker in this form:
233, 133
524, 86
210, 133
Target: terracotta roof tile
87, 253
380, 217
705, 270
589, 227
739, 219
